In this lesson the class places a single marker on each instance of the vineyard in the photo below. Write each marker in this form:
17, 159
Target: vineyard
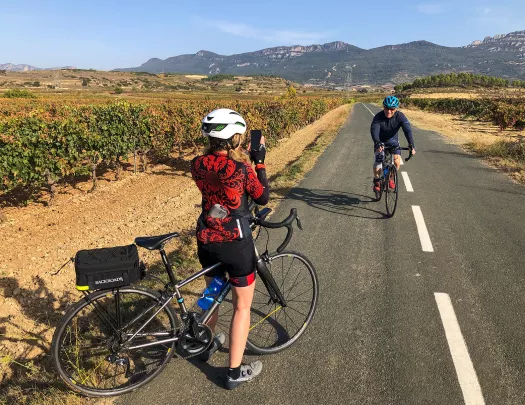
504, 112
43, 141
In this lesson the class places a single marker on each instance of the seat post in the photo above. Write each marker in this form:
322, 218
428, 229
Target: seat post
167, 264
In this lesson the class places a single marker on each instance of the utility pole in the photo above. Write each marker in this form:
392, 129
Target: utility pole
348, 79
57, 79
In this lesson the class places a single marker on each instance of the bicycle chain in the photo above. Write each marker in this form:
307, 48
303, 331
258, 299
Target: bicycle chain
180, 352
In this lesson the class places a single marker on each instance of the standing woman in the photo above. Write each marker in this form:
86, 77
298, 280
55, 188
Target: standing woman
226, 178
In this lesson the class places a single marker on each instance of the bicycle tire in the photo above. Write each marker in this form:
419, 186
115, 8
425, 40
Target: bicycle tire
265, 316
84, 317
391, 196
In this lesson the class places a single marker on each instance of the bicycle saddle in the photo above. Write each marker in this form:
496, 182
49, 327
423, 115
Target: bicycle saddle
154, 242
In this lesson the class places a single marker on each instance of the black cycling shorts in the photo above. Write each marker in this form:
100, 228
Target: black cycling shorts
237, 258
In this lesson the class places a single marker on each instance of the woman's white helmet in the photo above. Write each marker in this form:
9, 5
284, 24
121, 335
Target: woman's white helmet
223, 123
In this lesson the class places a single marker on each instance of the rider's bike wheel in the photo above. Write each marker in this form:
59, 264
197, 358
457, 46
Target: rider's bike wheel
86, 346
273, 327
391, 194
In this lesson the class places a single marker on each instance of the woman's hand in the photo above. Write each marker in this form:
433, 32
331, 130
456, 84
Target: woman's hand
258, 156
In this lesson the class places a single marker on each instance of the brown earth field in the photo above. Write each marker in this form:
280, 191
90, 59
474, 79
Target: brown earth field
37, 278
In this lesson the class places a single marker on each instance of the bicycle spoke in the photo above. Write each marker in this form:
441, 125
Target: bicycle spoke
297, 296
90, 355
293, 309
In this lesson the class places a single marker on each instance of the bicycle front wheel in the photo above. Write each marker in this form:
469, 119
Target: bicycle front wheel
87, 350
275, 327
391, 195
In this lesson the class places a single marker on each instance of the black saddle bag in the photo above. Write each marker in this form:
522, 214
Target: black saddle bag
113, 267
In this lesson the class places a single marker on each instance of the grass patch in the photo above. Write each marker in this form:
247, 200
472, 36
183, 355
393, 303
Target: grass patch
507, 155
36, 385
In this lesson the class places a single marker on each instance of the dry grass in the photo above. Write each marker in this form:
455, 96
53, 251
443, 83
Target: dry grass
501, 149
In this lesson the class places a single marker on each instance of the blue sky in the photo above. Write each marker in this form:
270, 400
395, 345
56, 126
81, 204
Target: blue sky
112, 33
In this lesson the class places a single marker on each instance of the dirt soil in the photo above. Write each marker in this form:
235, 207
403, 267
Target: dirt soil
37, 280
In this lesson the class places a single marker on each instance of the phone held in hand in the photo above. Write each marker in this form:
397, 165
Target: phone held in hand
255, 139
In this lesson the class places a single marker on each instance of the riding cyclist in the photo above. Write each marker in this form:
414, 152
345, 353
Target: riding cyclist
226, 178
384, 129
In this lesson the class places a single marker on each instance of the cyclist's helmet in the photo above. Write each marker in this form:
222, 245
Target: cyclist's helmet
223, 123
391, 102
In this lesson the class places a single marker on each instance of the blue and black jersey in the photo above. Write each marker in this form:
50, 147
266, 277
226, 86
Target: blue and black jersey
384, 130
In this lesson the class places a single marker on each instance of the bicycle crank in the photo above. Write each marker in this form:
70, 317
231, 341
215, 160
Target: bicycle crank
194, 340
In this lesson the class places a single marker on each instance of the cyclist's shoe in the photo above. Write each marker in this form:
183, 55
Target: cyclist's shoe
248, 373
217, 343
377, 185
391, 184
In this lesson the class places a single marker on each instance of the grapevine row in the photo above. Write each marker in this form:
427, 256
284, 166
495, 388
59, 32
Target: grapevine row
42, 142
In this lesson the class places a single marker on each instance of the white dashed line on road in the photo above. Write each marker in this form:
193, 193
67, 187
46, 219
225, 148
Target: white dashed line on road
467, 377
401, 160
408, 184
424, 237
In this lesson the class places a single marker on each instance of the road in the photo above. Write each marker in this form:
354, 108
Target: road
404, 317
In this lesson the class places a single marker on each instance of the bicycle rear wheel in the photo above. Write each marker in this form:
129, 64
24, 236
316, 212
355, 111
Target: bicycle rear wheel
273, 327
86, 346
391, 195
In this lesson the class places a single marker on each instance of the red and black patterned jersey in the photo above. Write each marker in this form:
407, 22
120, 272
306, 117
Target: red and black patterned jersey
227, 182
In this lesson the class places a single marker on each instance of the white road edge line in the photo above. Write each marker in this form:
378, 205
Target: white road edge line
424, 237
368, 109
408, 184
467, 377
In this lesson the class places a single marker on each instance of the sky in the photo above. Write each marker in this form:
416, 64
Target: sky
116, 34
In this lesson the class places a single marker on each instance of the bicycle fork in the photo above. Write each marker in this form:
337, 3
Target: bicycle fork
269, 282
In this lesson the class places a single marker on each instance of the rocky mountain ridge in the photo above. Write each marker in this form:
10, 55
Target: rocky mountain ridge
11, 67
342, 64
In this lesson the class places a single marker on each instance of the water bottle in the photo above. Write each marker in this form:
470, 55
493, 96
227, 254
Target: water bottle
209, 294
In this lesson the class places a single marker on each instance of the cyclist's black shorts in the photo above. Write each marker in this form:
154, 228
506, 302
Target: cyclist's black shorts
379, 157
238, 258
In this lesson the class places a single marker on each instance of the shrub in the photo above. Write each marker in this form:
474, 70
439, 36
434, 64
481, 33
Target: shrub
18, 93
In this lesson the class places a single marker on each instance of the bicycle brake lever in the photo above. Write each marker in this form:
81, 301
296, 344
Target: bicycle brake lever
299, 223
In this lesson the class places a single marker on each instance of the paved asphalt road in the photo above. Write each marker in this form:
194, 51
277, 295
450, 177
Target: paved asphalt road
395, 324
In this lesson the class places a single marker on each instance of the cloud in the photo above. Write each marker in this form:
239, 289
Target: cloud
502, 19
282, 37
432, 8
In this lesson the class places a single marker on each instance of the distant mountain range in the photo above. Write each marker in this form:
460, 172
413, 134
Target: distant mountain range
339, 63
24, 68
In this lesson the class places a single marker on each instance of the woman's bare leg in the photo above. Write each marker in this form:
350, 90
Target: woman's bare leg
240, 326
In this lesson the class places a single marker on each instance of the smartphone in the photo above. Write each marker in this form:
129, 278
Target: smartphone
255, 139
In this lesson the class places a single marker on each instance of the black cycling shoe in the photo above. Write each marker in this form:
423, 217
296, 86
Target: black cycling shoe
248, 373
217, 343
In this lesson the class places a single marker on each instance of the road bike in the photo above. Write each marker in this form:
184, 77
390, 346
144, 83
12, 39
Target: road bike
390, 173
114, 341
